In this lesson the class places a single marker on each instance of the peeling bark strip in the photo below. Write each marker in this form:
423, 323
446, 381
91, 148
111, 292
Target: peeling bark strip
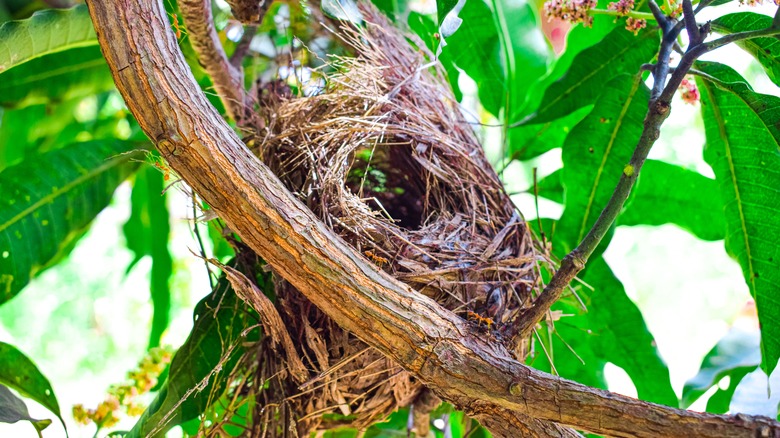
429, 341
273, 325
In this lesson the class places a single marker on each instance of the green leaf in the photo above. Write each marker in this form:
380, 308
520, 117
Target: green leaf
530, 141
147, 232
20, 373
46, 32
720, 401
742, 148
596, 152
503, 50
48, 200
13, 409
56, 77
737, 353
620, 52
619, 335
443, 7
765, 50
199, 369
666, 193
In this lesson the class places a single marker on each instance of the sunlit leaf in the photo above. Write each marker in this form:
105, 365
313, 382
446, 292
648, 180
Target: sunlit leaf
620, 52
596, 152
146, 233
56, 77
530, 141
765, 50
46, 32
735, 355
742, 147
17, 371
669, 194
48, 200
200, 367
501, 47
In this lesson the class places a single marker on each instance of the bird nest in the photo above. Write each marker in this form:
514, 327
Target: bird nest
385, 158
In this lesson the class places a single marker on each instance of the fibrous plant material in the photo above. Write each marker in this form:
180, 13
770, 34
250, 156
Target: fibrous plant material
384, 156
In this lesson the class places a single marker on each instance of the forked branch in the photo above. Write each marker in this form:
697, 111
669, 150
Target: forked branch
434, 344
658, 111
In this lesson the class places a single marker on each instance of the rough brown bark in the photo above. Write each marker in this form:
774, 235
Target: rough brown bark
457, 363
228, 79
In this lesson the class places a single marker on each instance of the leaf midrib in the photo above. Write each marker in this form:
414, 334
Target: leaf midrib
604, 65
733, 177
109, 164
604, 158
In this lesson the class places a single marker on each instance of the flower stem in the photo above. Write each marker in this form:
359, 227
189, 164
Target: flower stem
634, 14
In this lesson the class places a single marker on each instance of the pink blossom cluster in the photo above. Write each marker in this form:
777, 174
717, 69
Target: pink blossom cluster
690, 93
573, 11
635, 24
623, 7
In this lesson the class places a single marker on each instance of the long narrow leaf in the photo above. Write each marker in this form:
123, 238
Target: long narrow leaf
669, 194
765, 50
742, 147
596, 152
620, 52
199, 370
46, 32
47, 202
147, 232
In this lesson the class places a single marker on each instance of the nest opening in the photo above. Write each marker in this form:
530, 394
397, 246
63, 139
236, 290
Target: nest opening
384, 157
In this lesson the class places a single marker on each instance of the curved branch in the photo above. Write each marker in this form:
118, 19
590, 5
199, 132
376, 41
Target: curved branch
452, 358
228, 79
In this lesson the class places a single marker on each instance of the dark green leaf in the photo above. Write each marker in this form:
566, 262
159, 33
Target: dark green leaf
48, 200
578, 39
147, 233
20, 373
671, 194
199, 369
765, 50
619, 335
60, 76
503, 51
742, 147
720, 401
550, 187
443, 7
530, 141
736, 353
46, 32
618, 53
13, 409
596, 152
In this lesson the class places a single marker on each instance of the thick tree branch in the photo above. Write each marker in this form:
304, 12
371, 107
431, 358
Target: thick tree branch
228, 79
441, 349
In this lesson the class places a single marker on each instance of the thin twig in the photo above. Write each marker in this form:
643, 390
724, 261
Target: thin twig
242, 48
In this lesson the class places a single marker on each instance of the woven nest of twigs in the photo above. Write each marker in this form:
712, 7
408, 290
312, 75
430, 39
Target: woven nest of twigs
384, 156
